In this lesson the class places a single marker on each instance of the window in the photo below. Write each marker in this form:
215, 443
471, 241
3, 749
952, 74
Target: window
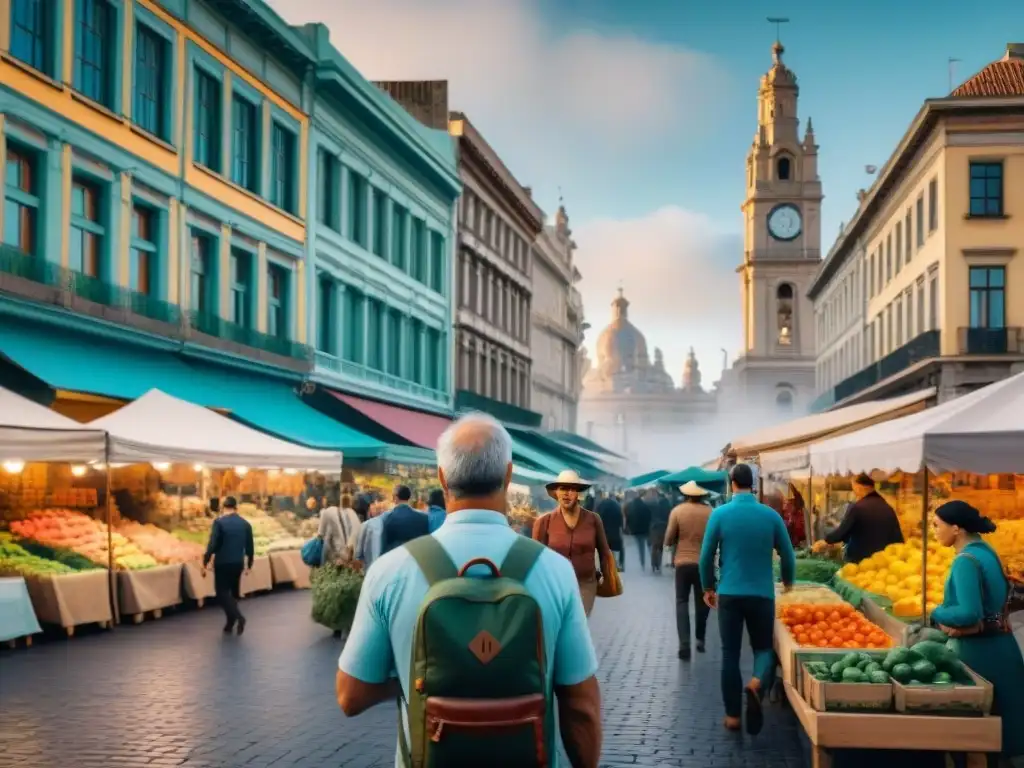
888, 258
889, 328
327, 201
395, 342
784, 313
143, 269
920, 222
380, 222
354, 326
241, 280
908, 305
899, 321
419, 250
31, 26
87, 231
374, 356
325, 336
203, 289
151, 91
207, 131
783, 168
95, 43
933, 302
899, 247
437, 262
398, 218
282, 168
871, 270
244, 144
416, 334
988, 297
986, 189
920, 306
277, 301
21, 201
909, 236
356, 208
933, 205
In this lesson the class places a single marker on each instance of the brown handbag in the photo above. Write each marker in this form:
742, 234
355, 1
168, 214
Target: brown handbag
993, 625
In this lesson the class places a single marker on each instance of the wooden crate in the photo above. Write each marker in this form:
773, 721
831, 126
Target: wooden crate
945, 700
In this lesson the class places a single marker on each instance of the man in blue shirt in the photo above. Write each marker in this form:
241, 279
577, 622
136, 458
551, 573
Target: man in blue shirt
435, 509
404, 523
474, 458
744, 534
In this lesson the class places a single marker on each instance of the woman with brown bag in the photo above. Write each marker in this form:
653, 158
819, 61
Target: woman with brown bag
578, 535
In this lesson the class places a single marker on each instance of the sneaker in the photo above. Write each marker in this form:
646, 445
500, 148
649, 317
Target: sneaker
700, 646
229, 628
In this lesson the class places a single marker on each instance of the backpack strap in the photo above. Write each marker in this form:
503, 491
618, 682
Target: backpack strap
521, 558
432, 559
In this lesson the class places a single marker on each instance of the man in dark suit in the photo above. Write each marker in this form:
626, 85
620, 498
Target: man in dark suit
611, 516
232, 548
870, 524
403, 523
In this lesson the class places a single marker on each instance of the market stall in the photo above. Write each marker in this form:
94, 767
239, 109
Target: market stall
169, 456
17, 617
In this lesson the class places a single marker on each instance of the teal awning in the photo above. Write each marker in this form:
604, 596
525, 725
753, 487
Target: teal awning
529, 457
585, 443
525, 476
712, 481
648, 478
562, 456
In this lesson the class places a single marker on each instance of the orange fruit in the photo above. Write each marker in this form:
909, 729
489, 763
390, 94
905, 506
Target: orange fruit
803, 638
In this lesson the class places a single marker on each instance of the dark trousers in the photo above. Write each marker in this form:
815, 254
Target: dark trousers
641, 545
227, 581
758, 615
620, 552
687, 582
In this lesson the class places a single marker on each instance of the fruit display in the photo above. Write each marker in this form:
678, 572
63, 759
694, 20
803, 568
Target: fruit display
159, 544
832, 626
851, 668
814, 569
72, 560
75, 531
168, 509
806, 596
265, 529
16, 561
280, 545
896, 573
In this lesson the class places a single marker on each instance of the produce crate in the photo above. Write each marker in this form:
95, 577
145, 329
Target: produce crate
827, 696
946, 699
828, 655
791, 655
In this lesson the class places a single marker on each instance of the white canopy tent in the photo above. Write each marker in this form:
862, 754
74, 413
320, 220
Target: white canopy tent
161, 428
820, 425
32, 432
979, 432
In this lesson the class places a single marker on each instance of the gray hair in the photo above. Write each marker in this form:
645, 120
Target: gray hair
474, 454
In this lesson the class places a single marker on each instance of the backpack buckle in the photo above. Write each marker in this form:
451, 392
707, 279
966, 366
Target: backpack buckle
435, 735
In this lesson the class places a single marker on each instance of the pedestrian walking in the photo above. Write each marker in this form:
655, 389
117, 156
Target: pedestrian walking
339, 529
744, 534
660, 510
404, 522
406, 621
638, 525
575, 533
686, 526
370, 542
339, 532
435, 509
232, 549
610, 512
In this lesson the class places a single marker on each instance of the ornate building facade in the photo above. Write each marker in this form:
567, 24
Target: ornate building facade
557, 327
782, 254
630, 404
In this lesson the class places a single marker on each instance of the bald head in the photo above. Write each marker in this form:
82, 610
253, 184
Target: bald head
474, 457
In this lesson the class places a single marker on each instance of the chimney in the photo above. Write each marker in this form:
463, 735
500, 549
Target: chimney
1014, 51
426, 100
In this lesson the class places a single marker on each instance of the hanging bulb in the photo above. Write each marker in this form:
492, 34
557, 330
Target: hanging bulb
241, 471
78, 470
13, 466
197, 467
161, 466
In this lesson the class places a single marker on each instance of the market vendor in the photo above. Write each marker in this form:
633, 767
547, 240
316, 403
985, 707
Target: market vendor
974, 613
869, 525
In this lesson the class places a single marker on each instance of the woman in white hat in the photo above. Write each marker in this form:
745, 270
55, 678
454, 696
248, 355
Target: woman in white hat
575, 533
686, 526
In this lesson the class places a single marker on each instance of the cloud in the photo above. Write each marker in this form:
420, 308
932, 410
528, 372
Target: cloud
513, 74
677, 268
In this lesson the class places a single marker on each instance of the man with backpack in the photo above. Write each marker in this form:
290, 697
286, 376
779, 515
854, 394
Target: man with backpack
478, 633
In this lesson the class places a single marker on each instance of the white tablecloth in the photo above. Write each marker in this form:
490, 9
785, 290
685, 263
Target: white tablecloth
17, 617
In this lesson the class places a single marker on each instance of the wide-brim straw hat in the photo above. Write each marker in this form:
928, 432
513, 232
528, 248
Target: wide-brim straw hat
566, 479
692, 489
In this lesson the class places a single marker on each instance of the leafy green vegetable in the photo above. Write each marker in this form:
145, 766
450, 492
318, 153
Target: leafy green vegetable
335, 595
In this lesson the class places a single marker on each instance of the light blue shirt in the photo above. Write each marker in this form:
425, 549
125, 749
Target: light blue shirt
745, 533
435, 518
371, 539
393, 592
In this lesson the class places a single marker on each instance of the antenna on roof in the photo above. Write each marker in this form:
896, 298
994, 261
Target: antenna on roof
778, 21
952, 71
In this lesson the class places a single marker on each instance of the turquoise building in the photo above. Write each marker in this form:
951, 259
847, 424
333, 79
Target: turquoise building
379, 241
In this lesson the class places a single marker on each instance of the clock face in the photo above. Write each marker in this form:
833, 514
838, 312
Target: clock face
784, 222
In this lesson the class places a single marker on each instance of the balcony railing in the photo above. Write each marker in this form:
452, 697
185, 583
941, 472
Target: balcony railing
920, 348
368, 375
990, 341
95, 297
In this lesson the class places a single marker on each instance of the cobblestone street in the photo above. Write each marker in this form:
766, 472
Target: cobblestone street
176, 692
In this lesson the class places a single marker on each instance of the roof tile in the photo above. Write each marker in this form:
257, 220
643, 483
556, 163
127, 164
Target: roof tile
1000, 78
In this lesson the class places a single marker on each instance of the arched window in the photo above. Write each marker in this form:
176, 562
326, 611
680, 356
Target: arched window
783, 167
784, 313
784, 398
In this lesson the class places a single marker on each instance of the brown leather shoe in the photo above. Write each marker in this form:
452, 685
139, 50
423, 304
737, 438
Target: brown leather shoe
732, 723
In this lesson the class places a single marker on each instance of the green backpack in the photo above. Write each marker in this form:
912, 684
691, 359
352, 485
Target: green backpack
478, 681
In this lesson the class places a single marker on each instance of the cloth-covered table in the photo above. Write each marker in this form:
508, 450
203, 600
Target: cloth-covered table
287, 568
17, 617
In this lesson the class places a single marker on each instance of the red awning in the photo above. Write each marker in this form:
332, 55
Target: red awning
421, 429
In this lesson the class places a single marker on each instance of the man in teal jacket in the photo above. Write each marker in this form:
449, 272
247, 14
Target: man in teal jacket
744, 533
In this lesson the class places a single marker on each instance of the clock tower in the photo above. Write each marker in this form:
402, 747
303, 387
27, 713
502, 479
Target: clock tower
782, 248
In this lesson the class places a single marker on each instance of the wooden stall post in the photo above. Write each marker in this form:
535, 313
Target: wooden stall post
924, 547
109, 506
808, 520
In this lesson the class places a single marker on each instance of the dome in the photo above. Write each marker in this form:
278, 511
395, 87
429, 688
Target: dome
621, 347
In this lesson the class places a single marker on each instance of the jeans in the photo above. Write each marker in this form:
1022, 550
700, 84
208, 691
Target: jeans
687, 581
227, 581
619, 550
641, 545
758, 614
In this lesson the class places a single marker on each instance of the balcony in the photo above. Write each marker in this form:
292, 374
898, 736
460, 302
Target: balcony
42, 281
990, 341
377, 379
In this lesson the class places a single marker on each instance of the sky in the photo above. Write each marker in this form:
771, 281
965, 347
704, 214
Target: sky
641, 114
